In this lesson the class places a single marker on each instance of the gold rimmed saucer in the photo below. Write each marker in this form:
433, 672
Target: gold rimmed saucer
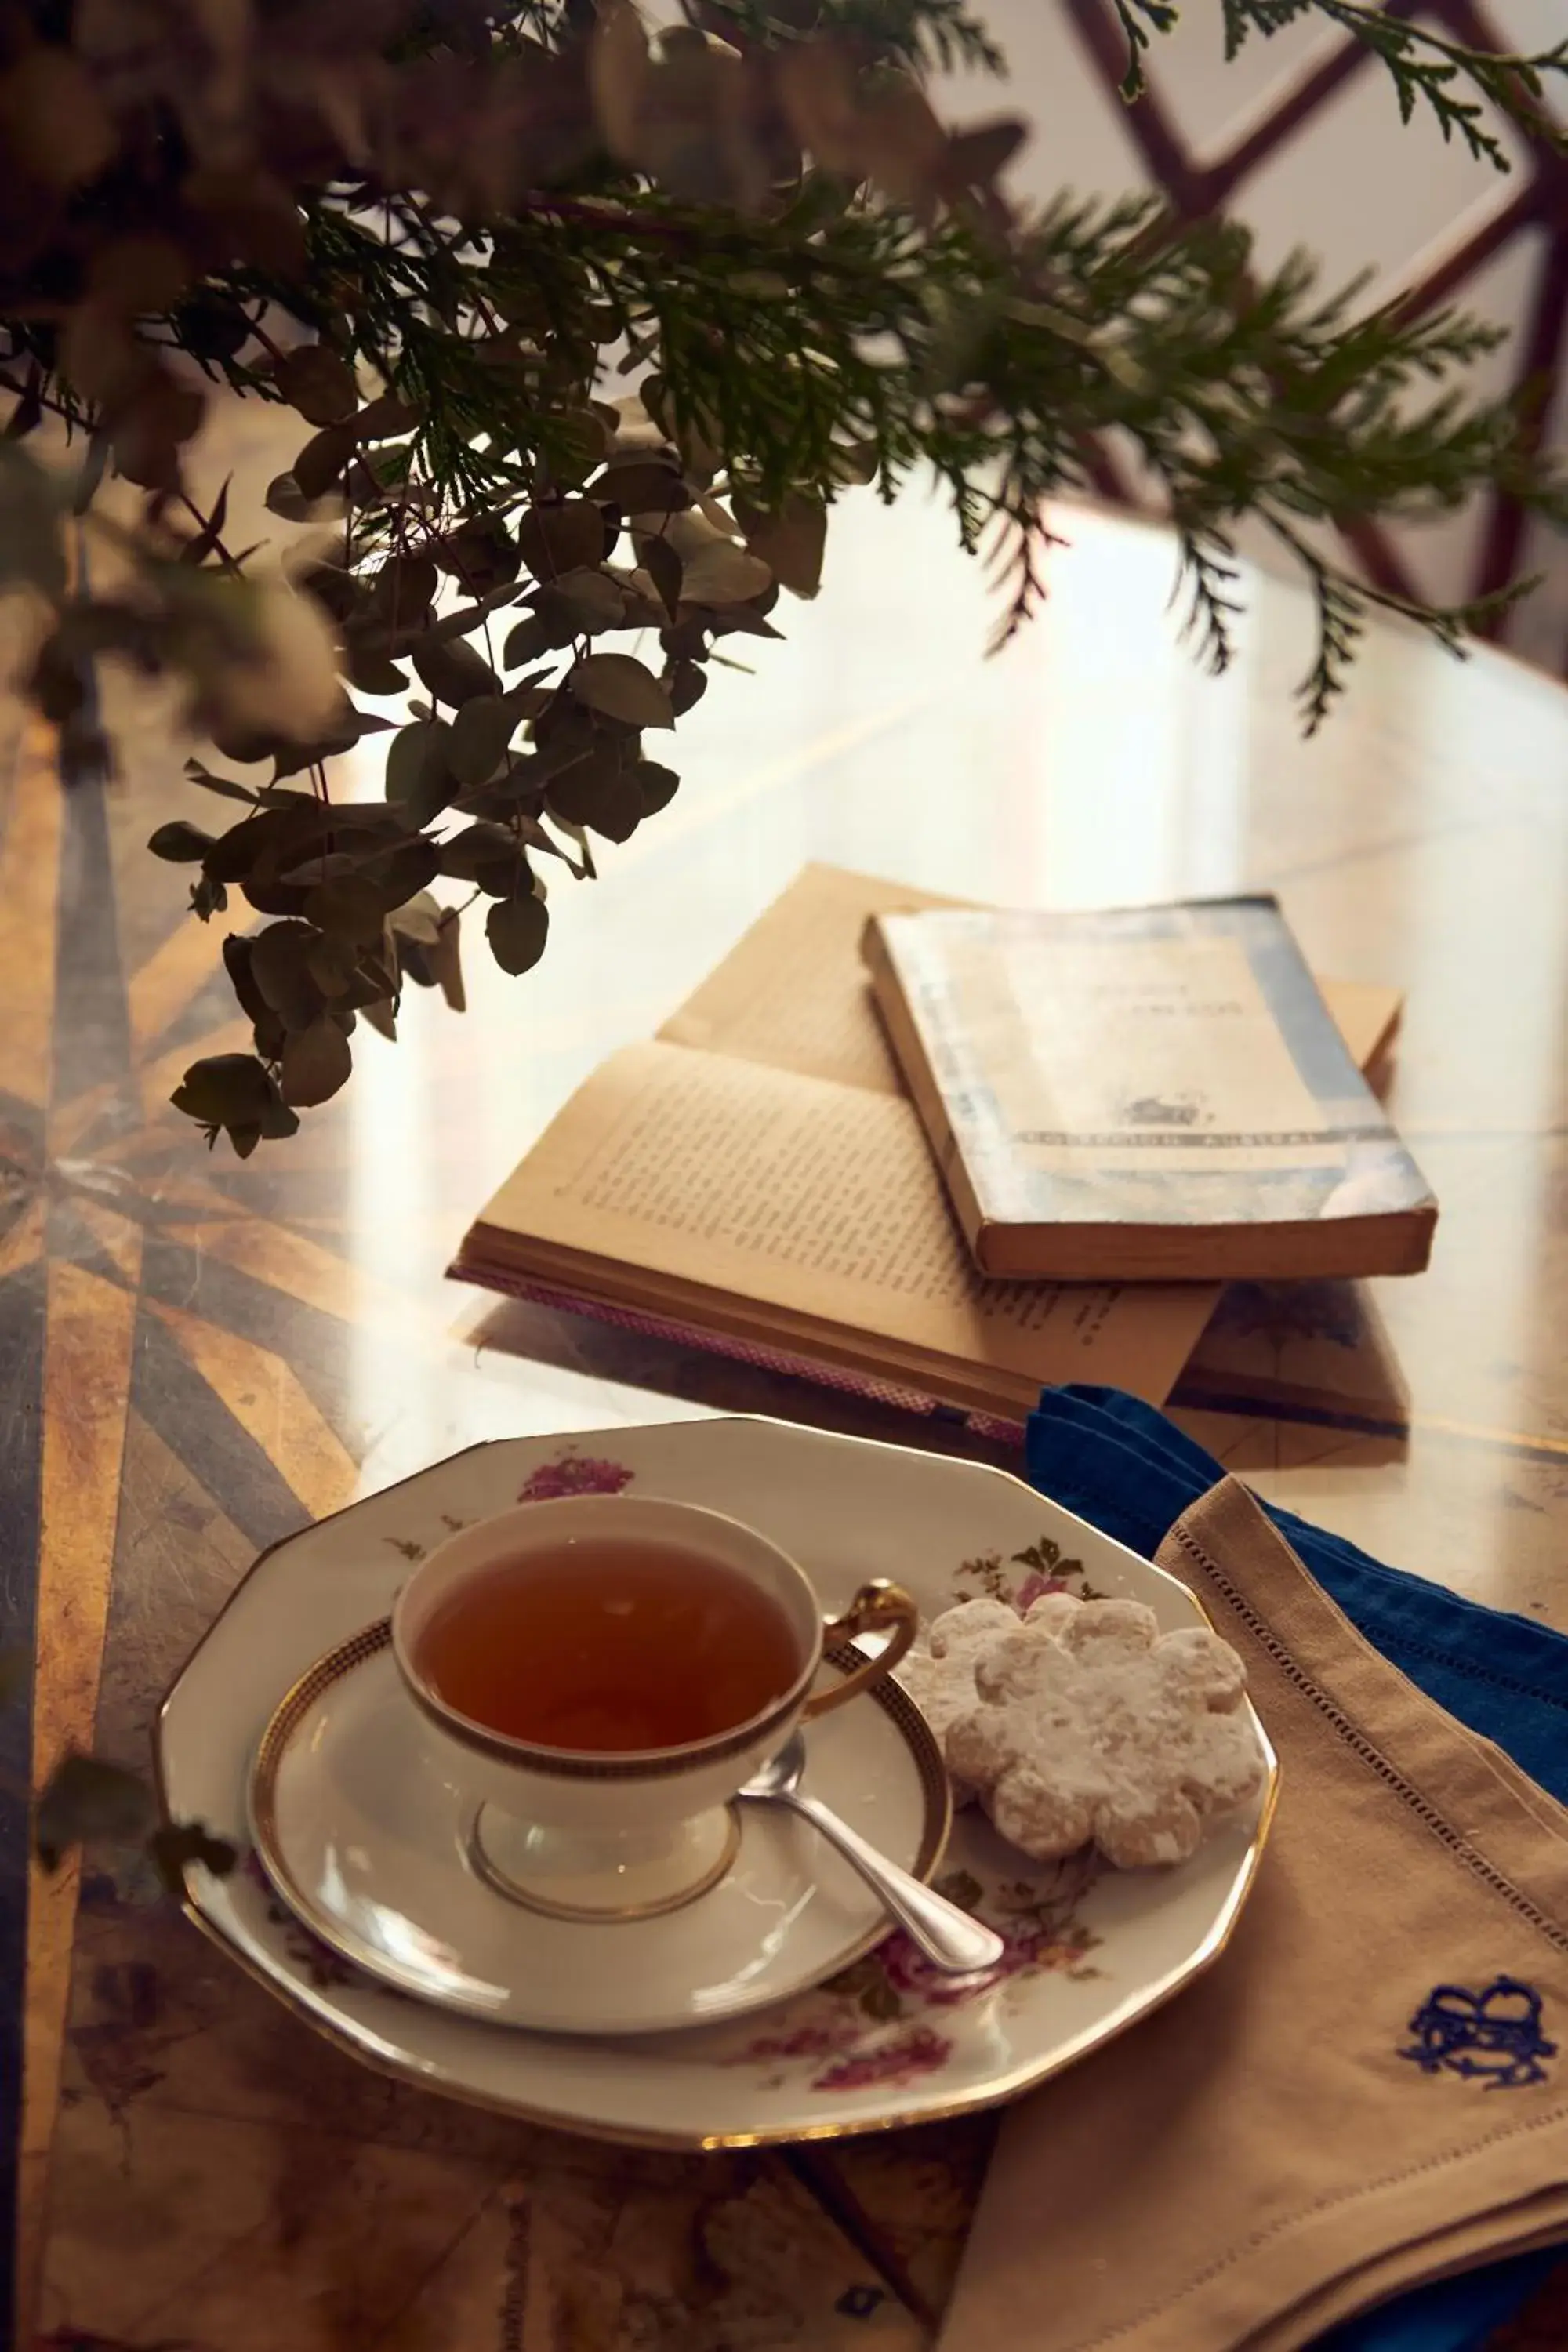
370, 1840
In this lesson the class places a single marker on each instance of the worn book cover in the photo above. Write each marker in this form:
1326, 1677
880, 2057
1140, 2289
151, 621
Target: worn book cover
1148, 1094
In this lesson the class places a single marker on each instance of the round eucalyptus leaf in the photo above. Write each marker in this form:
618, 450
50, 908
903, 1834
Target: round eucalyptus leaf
516, 928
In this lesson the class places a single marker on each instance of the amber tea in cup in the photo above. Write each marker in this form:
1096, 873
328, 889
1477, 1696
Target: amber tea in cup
599, 1675
610, 1647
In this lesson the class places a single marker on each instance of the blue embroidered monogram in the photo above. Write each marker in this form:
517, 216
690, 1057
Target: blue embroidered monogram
1495, 2034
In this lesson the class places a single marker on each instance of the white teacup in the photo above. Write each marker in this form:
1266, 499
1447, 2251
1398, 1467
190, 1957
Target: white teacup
619, 1834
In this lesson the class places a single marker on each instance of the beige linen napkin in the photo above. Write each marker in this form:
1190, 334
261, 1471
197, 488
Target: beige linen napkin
1316, 2123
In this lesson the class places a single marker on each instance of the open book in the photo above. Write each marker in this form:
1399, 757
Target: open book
755, 1179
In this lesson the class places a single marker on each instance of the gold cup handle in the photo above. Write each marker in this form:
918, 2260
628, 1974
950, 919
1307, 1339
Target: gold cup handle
879, 1607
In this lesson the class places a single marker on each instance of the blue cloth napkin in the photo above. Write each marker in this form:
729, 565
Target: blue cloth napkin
1122, 1465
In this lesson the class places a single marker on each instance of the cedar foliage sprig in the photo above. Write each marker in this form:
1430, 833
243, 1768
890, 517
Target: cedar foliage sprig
1454, 83
590, 330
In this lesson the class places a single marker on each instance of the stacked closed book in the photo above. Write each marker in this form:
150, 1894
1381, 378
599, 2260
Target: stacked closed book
1157, 1094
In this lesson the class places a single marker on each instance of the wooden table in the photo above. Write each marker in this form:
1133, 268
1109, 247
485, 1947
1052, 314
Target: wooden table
198, 1353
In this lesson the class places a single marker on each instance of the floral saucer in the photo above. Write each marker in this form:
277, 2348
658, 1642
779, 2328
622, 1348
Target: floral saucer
373, 1845
883, 2040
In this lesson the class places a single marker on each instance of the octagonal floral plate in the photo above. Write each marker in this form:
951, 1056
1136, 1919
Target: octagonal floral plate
885, 2043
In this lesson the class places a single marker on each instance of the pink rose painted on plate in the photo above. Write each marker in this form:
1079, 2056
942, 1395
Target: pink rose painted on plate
575, 1473
917, 2051
1046, 1569
800, 2041
1035, 1587
868, 2025
1035, 1946
855, 2060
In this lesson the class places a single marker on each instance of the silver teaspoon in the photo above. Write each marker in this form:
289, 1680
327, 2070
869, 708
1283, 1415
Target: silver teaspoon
948, 1936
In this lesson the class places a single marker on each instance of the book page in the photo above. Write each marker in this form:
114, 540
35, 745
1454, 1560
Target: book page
792, 993
799, 1195
1366, 1015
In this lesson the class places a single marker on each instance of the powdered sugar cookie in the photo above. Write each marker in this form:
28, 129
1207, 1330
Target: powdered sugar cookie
1094, 1725
938, 1672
